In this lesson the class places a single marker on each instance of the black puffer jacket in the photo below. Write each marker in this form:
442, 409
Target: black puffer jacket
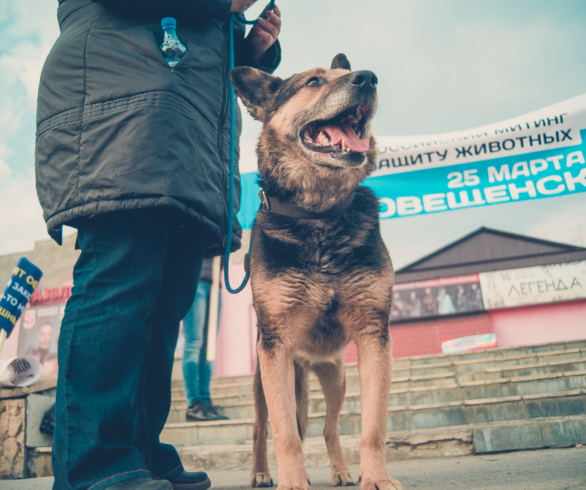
118, 129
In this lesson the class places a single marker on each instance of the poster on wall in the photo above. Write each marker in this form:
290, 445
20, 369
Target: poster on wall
534, 285
39, 334
436, 297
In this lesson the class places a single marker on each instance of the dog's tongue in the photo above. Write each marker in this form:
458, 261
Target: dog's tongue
337, 134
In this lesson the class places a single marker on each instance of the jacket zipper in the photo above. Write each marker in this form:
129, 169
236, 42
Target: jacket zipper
225, 95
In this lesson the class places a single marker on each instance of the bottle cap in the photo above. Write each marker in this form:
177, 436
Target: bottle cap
168, 23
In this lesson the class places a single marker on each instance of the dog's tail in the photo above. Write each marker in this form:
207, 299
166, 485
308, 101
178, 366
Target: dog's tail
301, 397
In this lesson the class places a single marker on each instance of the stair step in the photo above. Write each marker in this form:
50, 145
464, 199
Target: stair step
557, 348
440, 379
399, 418
400, 446
493, 437
544, 384
525, 365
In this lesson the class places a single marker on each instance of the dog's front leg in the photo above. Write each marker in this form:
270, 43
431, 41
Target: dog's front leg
374, 370
332, 378
278, 380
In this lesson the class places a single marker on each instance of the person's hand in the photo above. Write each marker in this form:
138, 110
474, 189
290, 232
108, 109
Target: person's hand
241, 5
265, 32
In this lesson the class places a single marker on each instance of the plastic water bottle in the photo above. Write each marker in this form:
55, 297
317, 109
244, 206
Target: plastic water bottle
172, 48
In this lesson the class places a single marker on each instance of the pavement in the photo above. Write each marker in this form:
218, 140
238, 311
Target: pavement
546, 469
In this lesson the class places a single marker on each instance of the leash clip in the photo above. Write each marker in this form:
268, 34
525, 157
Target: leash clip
264, 199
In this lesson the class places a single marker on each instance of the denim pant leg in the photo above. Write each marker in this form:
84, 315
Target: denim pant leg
182, 269
118, 280
195, 342
206, 367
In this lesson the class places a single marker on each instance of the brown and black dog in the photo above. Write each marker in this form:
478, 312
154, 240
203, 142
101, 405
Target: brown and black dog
320, 273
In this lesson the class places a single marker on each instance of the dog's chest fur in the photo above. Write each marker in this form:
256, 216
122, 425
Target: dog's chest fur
319, 272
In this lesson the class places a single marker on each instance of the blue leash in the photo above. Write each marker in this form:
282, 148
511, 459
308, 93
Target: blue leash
242, 19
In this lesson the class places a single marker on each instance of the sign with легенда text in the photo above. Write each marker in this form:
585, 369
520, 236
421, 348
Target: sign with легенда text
534, 285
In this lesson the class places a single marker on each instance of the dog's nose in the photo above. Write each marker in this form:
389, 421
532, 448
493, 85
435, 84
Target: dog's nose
364, 79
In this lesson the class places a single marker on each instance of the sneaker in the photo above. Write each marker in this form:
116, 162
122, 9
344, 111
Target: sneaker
212, 411
198, 411
48, 422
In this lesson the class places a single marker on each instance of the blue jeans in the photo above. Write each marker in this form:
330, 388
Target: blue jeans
197, 370
133, 283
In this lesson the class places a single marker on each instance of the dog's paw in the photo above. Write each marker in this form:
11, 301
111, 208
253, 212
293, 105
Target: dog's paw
344, 479
386, 484
300, 486
261, 480
289, 487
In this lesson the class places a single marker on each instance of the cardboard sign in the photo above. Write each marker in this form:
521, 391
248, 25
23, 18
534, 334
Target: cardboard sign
472, 342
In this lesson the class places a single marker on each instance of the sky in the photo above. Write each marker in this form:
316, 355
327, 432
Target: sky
442, 66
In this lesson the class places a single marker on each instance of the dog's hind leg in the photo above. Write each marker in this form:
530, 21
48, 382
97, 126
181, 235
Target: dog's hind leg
332, 378
260, 476
301, 398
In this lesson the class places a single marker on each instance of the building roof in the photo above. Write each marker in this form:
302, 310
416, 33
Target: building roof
487, 250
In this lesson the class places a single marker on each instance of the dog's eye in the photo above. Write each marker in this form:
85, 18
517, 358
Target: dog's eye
313, 82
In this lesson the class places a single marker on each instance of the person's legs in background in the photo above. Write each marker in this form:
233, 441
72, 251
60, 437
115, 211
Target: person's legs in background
206, 369
194, 330
197, 370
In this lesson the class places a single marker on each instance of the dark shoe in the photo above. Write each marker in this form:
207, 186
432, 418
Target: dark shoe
48, 422
191, 481
198, 412
142, 484
212, 411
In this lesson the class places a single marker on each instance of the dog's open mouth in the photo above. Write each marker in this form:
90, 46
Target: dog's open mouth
340, 134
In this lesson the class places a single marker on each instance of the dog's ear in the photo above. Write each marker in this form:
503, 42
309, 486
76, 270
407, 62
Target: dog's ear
340, 62
256, 88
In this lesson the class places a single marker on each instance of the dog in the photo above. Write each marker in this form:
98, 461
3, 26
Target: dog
320, 273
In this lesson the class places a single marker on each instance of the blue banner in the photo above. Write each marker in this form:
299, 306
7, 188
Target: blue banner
537, 175
535, 156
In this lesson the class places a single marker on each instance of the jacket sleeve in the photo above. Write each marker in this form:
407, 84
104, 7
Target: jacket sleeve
169, 8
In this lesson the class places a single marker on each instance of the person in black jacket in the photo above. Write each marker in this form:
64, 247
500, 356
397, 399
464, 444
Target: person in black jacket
134, 154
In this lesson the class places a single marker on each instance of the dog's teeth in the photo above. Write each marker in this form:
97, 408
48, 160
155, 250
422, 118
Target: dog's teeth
344, 145
322, 138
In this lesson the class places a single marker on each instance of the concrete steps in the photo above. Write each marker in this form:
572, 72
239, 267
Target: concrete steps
443, 405
491, 395
474, 390
242, 385
514, 355
225, 395
399, 418
416, 444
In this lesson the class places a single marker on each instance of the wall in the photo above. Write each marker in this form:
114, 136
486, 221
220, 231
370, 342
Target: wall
554, 322
513, 326
236, 351
424, 338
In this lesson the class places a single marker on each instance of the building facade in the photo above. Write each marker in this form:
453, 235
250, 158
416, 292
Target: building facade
501, 288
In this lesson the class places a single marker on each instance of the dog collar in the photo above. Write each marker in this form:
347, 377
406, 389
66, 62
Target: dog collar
287, 208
